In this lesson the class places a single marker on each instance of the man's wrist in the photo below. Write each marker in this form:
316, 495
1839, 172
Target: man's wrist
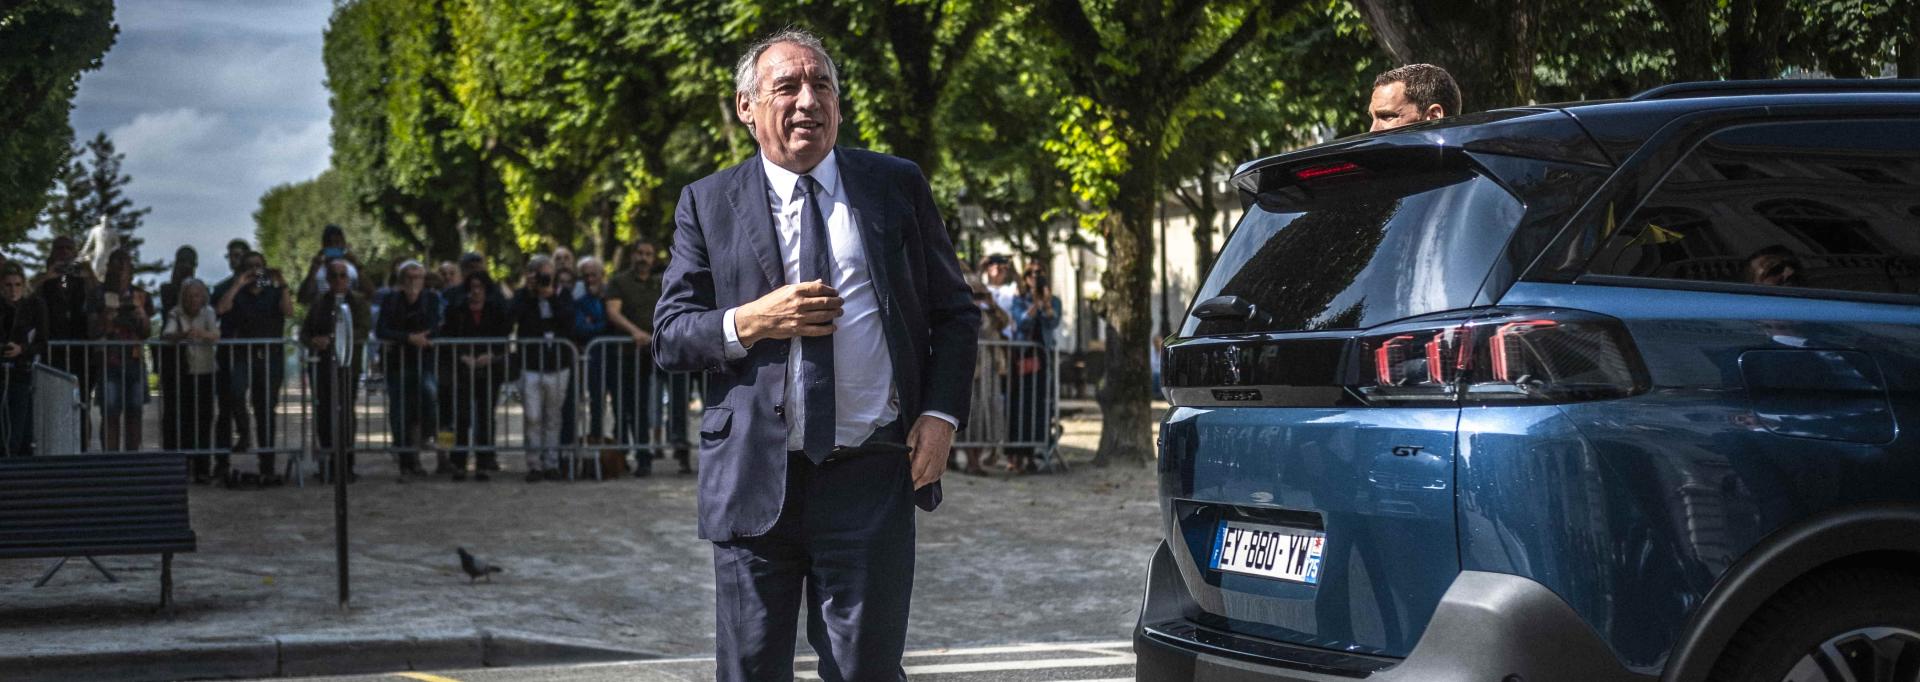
942, 416
733, 348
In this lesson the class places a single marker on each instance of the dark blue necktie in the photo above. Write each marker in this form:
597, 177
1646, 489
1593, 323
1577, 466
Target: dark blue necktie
816, 352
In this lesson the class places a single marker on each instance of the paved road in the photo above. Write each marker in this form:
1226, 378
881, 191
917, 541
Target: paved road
1078, 662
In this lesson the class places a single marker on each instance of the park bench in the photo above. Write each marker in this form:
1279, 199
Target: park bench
95, 505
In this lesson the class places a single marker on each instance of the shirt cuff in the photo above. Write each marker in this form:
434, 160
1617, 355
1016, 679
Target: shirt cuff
734, 350
942, 416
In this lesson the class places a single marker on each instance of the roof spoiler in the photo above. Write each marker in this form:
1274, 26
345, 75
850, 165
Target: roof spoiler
1784, 86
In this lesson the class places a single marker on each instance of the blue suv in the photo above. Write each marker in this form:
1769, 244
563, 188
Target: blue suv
1603, 391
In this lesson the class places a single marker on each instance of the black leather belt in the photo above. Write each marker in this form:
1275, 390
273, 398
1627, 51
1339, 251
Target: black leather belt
890, 438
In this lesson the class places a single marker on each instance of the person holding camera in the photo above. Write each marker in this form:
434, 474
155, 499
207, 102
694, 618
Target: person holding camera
254, 305
122, 313
23, 340
333, 247
1036, 315
317, 332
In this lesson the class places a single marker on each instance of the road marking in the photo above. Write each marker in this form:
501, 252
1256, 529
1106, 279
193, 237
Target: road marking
1003, 666
1103, 648
424, 677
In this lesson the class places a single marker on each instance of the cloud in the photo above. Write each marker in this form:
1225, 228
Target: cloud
213, 102
203, 175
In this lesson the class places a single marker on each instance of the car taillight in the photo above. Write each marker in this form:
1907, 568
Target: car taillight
1501, 356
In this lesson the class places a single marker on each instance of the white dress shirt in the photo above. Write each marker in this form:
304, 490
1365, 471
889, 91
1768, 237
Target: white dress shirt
863, 391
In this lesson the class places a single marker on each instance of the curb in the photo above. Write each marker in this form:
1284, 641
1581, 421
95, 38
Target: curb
304, 655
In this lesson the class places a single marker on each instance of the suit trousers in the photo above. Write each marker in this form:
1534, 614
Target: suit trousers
844, 540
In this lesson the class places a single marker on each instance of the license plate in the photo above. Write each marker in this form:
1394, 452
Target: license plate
1267, 551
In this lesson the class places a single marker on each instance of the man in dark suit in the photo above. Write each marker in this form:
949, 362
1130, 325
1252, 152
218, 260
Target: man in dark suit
817, 288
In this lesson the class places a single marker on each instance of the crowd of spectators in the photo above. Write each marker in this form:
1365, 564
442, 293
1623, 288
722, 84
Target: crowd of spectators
445, 341
436, 342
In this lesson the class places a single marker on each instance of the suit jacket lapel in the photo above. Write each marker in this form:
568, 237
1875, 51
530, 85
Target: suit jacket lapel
752, 214
869, 217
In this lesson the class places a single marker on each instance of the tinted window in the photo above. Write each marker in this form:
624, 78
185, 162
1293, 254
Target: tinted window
1394, 247
1819, 204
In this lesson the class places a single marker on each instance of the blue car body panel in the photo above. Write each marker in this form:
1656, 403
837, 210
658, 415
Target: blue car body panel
1631, 510
1388, 519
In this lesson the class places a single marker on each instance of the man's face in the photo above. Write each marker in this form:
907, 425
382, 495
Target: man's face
414, 280
253, 264
795, 115
643, 257
236, 258
337, 278
13, 287
1391, 108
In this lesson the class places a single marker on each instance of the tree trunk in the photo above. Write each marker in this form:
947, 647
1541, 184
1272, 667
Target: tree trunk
1908, 60
1206, 212
1690, 32
1126, 432
1493, 68
1754, 33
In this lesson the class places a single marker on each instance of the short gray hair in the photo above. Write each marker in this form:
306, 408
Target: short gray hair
746, 78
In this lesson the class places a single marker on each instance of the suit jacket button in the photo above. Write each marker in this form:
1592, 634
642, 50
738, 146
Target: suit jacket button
780, 410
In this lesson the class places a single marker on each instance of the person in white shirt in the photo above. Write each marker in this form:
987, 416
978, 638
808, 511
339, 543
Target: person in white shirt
193, 324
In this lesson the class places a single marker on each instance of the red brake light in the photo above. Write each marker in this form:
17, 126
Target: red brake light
1312, 172
1530, 356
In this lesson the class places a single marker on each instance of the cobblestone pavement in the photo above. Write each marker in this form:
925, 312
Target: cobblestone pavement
1037, 558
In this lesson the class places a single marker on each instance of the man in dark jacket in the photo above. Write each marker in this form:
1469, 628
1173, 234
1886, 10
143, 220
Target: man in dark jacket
23, 340
408, 316
64, 288
474, 370
329, 394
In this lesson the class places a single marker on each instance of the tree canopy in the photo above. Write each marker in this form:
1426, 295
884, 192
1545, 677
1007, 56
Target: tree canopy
44, 47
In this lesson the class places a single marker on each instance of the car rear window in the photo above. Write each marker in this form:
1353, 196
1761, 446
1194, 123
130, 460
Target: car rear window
1378, 249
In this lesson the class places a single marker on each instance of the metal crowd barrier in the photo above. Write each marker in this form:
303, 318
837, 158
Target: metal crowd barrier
207, 400
1016, 402
462, 399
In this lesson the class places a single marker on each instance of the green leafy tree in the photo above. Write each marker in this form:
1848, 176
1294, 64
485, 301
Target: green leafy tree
44, 47
1511, 52
575, 101
995, 171
65, 214
1133, 69
396, 135
288, 222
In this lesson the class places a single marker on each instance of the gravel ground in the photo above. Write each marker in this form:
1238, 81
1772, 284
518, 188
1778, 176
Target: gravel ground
1039, 558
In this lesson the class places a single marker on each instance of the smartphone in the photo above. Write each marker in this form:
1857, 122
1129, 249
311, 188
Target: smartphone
333, 252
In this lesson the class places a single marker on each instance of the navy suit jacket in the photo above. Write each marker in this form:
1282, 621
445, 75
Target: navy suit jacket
726, 253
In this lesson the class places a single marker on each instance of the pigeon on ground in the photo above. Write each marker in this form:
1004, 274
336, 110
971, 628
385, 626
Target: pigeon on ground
475, 568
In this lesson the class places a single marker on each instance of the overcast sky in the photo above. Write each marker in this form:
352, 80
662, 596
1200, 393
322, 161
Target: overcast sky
213, 102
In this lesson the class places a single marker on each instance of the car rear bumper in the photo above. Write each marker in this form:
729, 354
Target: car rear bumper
1488, 627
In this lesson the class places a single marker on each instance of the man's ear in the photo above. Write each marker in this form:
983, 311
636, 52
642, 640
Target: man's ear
1434, 111
743, 108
